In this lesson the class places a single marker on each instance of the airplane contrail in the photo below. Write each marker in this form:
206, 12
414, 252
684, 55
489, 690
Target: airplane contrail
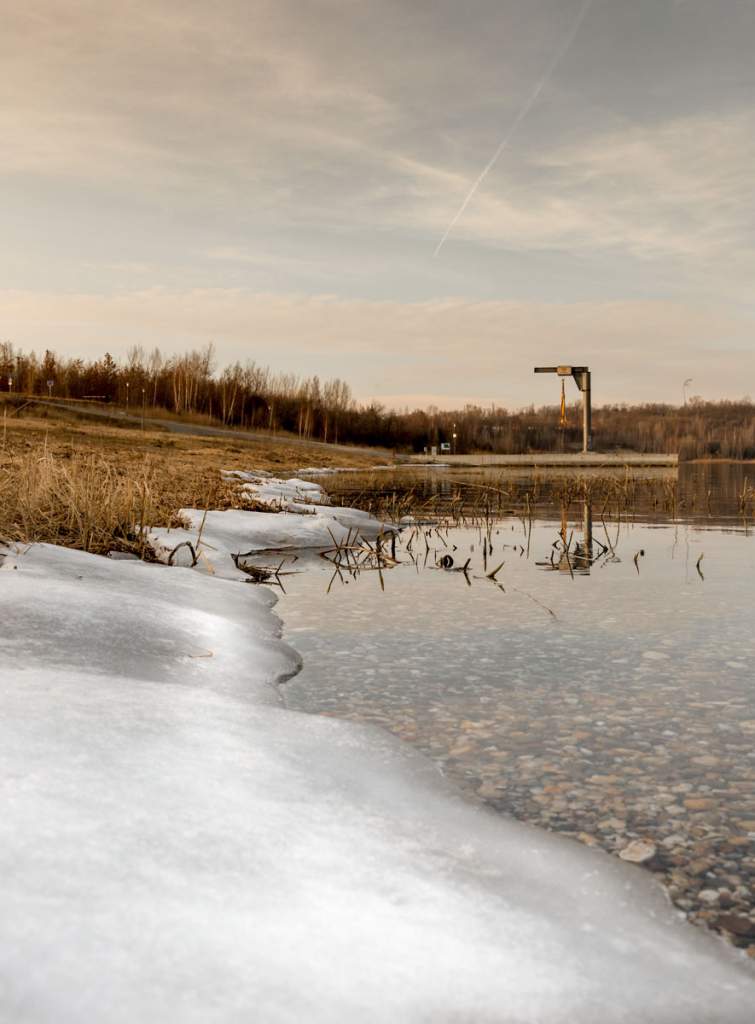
525, 109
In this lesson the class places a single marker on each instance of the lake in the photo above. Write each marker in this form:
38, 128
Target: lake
584, 662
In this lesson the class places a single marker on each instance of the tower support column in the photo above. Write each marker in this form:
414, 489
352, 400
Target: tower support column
586, 390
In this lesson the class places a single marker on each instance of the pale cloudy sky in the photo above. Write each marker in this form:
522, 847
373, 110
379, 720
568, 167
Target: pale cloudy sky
276, 176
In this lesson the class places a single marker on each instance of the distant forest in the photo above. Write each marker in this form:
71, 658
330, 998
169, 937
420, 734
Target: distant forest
254, 397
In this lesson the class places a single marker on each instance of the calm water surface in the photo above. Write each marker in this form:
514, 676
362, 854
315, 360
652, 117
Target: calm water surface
607, 692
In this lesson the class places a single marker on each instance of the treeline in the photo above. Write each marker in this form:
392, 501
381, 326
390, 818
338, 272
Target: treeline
253, 397
698, 429
249, 396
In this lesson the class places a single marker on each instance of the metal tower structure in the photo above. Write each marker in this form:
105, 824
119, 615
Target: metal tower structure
581, 375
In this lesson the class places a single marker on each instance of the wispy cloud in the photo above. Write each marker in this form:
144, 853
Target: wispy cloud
679, 190
521, 114
245, 115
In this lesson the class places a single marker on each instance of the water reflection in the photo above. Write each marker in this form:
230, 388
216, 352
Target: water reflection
717, 494
575, 555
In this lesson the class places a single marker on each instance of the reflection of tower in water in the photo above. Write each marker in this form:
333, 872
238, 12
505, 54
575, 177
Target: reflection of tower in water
569, 554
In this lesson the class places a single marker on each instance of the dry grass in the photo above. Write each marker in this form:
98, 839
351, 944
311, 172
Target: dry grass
83, 502
93, 486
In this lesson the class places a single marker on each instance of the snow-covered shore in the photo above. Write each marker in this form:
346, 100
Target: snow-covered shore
177, 846
304, 520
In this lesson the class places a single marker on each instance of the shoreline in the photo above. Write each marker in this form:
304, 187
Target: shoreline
171, 811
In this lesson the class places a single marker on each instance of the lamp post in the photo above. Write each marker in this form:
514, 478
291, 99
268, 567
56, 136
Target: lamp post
127, 387
453, 439
143, 402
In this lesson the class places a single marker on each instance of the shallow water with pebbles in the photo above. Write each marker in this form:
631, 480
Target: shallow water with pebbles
610, 700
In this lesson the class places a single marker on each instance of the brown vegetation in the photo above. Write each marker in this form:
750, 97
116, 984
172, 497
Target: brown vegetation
93, 487
84, 502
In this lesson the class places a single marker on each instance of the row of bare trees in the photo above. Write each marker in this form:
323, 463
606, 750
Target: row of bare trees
254, 397
249, 396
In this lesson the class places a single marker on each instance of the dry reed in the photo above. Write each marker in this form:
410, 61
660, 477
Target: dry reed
85, 502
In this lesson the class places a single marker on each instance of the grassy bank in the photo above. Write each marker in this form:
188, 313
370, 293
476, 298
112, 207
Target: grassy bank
91, 486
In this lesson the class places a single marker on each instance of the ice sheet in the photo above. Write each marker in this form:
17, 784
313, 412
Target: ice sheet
305, 498
174, 846
277, 493
216, 536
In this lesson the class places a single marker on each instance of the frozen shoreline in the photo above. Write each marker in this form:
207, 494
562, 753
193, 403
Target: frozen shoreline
177, 846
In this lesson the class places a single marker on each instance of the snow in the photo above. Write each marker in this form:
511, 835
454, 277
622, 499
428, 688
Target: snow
176, 846
331, 470
354, 518
295, 494
250, 476
304, 520
65, 609
278, 494
235, 532
217, 536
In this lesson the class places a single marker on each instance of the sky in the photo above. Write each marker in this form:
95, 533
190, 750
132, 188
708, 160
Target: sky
278, 178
